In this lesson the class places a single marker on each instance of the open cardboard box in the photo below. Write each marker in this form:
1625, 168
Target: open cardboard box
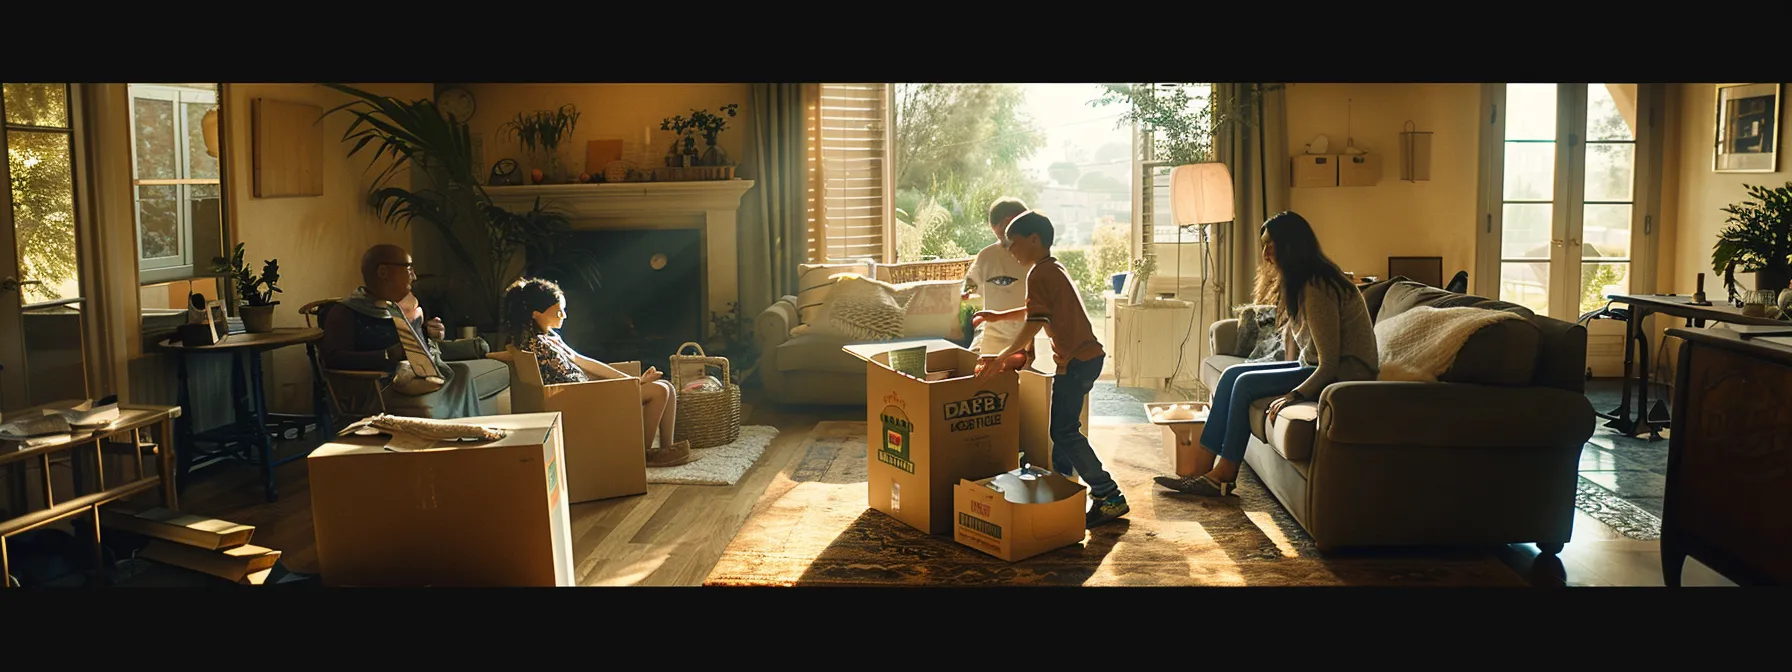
924, 436
1181, 437
605, 453
988, 522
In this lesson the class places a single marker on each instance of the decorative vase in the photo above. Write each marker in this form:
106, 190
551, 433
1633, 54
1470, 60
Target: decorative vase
715, 156
258, 319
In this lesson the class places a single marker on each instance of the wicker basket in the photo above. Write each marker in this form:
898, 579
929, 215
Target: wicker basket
912, 271
707, 419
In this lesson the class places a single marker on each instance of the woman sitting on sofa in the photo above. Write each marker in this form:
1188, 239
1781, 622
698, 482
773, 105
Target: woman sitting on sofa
533, 310
1322, 314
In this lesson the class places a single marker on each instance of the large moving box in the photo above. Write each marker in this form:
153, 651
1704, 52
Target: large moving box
605, 449
988, 521
488, 513
924, 436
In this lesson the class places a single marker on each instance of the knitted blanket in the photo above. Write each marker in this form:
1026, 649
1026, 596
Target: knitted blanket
1421, 344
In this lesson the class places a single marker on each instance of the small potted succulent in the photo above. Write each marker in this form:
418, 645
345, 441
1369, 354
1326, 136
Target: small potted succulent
255, 293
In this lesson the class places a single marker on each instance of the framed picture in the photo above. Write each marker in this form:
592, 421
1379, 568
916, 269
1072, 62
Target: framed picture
1748, 130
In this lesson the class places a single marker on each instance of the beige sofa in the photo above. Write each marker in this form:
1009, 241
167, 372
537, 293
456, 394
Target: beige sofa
811, 368
1488, 455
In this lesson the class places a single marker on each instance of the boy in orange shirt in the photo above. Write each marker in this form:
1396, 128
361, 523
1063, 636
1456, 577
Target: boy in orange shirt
1054, 305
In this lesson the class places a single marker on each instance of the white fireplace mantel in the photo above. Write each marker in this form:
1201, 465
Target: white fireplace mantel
713, 206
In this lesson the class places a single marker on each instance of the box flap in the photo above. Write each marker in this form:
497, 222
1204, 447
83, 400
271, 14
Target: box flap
866, 350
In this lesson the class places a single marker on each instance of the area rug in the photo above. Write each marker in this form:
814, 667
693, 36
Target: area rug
1616, 512
721, 465
812, 528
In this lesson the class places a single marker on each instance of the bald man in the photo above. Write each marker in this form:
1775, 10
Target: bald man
360, 335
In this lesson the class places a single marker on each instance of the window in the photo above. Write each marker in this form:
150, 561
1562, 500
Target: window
41, 294
849, 176
175, 179
1569, 191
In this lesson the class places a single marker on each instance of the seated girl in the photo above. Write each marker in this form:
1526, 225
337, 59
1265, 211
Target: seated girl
533, 309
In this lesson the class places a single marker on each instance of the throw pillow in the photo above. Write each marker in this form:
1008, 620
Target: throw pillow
814, 281
930, 308
861, 308
1258, 338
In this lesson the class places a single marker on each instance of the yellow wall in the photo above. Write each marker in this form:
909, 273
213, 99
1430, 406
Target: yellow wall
318, 239
607, 111
1360, 227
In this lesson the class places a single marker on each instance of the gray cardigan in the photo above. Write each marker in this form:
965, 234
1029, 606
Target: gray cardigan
1335, 334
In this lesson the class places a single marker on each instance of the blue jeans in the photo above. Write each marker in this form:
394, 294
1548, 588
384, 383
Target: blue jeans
1071, 451
1228, 430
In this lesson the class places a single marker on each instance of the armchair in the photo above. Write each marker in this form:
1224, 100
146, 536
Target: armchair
602, 419
358, 394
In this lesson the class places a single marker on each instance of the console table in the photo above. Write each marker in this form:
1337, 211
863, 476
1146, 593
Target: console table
1729, 481
1641, 307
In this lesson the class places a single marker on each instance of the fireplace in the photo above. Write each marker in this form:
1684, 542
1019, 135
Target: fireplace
650, 301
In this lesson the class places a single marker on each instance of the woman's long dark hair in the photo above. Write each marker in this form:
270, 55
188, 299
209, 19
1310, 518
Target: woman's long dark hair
1299, 261
522, 300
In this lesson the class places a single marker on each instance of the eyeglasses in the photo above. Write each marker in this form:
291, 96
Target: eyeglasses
408, 268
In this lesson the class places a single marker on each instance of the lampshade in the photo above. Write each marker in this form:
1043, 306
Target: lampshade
209, 125
1201, 193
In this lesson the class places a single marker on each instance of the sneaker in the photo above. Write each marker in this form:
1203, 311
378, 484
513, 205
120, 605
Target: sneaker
671, 456
1106, 509
1199, 485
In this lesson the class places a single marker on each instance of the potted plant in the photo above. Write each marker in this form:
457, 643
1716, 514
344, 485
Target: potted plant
540, 133
1758, 239
683, 152
254, 293
711, 126
483, 241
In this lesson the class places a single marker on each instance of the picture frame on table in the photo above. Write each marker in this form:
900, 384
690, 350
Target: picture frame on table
1746, 139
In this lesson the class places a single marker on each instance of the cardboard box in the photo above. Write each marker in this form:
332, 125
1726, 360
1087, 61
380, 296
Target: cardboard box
1036, 418
1181, 437
1315, 170
988, 522
923, 436
606, 453
1359, 170
490, 513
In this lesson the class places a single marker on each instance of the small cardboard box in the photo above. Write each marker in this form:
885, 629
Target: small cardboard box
988, 522
924, 436
1315, 170
1036, 418
1181, 437
458, 514
605, 454
1359, 170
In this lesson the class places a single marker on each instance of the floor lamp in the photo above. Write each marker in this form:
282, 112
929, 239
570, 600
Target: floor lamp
1200, 197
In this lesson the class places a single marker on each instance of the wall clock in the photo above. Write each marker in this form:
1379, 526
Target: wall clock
504, 173
457, 103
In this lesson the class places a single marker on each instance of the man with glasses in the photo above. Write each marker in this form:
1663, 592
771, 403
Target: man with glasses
361, 334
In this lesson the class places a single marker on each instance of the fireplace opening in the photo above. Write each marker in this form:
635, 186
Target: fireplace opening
650, 301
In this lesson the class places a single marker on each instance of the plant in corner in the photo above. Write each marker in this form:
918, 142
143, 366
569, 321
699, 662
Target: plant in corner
1757, 238
254, 293
484, 238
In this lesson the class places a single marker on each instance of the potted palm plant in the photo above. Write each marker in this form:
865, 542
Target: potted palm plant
540, 133
482, 238
1757, 238
254, 293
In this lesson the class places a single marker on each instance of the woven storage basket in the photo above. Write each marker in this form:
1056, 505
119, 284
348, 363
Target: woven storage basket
707, 419
948, 269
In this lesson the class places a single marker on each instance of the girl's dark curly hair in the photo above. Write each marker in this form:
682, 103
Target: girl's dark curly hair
524, 298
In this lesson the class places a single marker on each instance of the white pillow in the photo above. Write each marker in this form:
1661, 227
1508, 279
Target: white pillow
861, 309
930, 308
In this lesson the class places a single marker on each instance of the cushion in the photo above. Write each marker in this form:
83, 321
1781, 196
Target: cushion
818, 352
1292, 433
1504, 353
930, 308
490, 376
861, 308
1212, 367
814, 281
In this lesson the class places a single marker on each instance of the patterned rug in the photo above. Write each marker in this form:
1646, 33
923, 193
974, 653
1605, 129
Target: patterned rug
813, 528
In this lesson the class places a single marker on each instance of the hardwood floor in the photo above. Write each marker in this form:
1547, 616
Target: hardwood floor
674, 534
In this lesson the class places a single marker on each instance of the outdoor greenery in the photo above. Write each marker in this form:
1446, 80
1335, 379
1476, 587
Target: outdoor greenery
484, 238
41, 180
958, 148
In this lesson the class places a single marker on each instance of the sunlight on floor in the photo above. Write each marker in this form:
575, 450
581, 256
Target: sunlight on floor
1267, 524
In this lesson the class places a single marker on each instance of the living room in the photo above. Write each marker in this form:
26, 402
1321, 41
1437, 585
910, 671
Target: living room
699, 206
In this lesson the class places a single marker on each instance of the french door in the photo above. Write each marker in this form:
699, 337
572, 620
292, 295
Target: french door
40, 272
1569, 194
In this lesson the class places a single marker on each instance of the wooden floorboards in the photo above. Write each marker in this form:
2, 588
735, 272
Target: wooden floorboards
674, 534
